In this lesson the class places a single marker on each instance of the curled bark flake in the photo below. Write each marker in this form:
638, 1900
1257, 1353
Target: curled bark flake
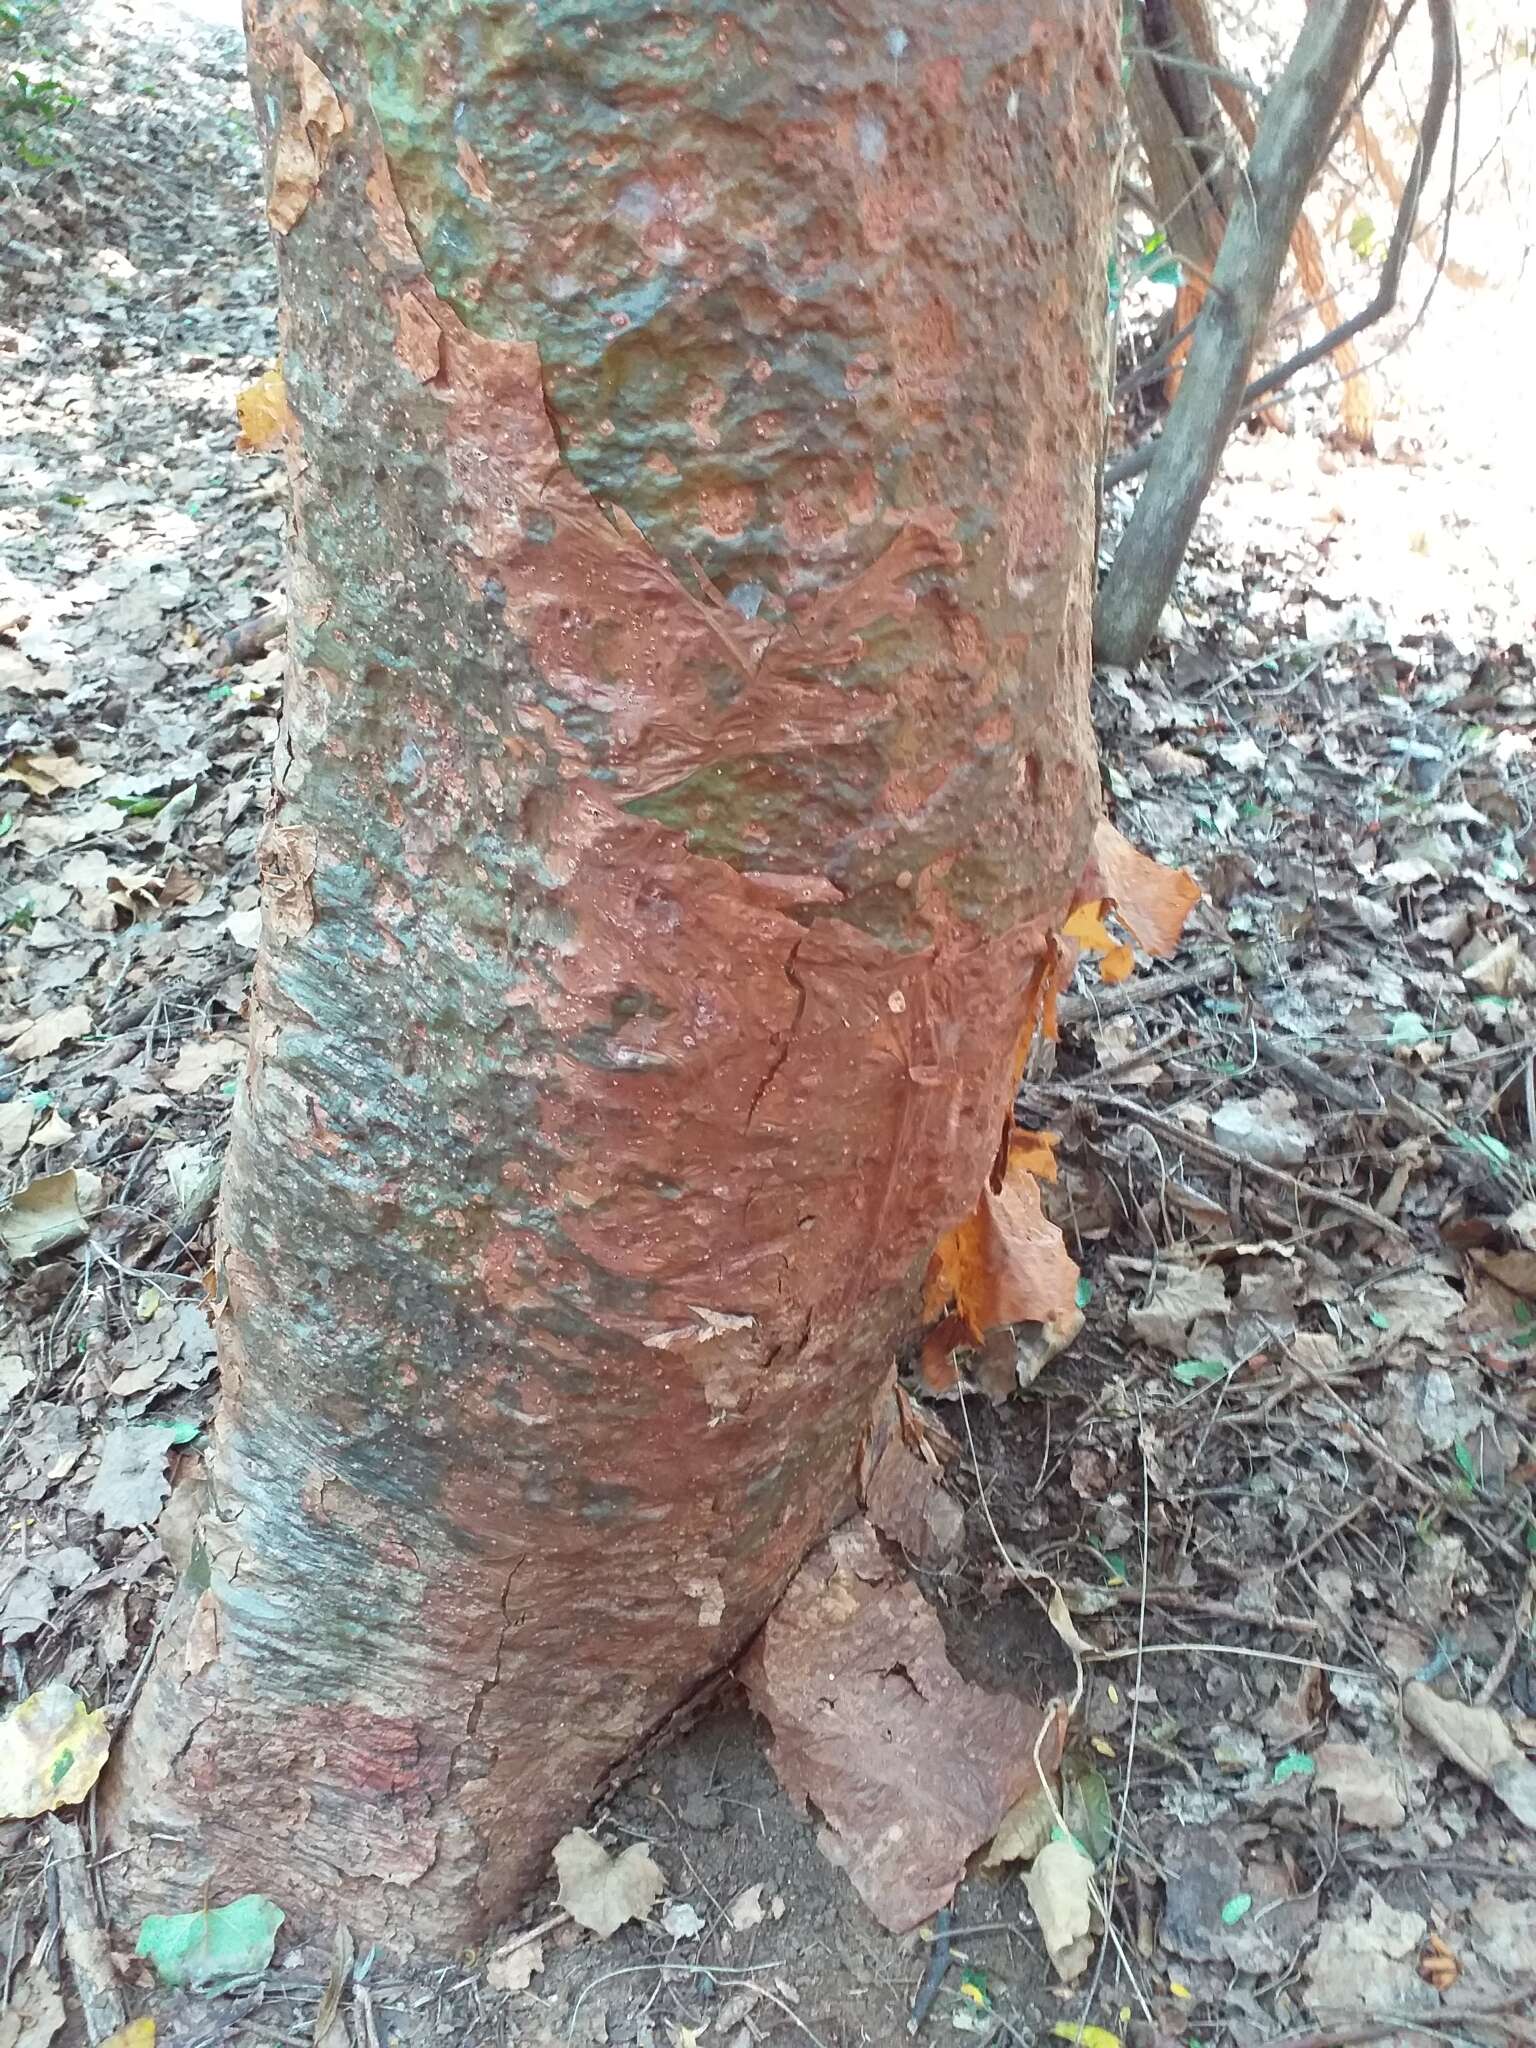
288, 854
302, 144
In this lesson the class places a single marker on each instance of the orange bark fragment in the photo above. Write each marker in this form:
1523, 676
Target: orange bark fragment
262, 410
1151, 901
1035, 1151
1006, 1263
1086, 927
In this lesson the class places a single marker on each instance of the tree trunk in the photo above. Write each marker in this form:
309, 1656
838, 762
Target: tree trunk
1291, 140
686, 754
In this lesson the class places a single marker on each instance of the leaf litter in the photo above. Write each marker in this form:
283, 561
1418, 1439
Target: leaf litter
1293, 1431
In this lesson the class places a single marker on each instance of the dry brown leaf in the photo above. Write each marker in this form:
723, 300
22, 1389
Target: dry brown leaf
746, 1910
602, 1892
44, 774
53, 1210
1368, 1789
514, 1967
1060, 1888
201, 1061
1478, 1741
912, 1767
1025, 1830
34, 2012
1515, 1270
39, 1037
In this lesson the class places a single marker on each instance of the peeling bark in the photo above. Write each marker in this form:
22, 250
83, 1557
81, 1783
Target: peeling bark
686, 755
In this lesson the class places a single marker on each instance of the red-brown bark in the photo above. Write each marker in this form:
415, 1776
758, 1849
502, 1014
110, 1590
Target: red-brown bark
686, 752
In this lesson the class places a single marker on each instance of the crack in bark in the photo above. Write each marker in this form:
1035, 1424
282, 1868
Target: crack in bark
488, 1685
781, 1051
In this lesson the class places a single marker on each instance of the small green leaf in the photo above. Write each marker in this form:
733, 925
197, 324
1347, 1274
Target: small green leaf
1375, 1316
1530, 1536
1466, 1464
1491, 1148
209, 1951
1294, 1764
1191, 1372
138, 806
1084, 1292
1235, 1909
1086, 1809
1408, 1028
1362, 235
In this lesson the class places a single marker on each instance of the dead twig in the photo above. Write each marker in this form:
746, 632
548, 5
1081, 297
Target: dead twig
1178, 1602
1141, 995
1519, 1628
1446, 2020
1368, 1440
1220, 1155
1442, 77
85, 1941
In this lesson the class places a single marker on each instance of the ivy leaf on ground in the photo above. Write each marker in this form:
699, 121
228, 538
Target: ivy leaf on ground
209, 1951
52, 1749
603, 1892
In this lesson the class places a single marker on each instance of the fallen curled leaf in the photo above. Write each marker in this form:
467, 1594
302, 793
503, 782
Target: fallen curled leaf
1367, 1788
602, 1892
52, 1748
1006, 1263
202, 1060
1025, 1830
746, 1909
262, 410
329, 2030
1060, 1890
1476, 1739
911, 1766
207, 1951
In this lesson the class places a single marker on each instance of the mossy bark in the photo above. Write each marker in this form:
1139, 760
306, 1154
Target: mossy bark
686, 752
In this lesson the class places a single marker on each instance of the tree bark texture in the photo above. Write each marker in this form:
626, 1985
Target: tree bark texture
686, 753
1293, 134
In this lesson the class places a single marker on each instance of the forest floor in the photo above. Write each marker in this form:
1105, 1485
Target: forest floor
1284, 1475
